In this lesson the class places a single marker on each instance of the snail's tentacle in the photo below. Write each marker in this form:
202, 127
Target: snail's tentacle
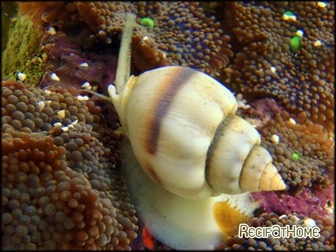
124, 61
101, 96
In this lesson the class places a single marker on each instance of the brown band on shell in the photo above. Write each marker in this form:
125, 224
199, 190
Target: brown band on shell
161, 106
220, 131
244, 166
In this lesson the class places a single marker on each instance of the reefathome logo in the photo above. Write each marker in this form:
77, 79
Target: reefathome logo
276, 231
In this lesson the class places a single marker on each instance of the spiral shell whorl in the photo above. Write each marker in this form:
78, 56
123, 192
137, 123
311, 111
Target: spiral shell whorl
259, 174
237, 163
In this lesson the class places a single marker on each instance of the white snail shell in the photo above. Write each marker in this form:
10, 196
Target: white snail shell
185, 133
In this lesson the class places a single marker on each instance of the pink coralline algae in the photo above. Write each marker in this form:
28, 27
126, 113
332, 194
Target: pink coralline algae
304, 202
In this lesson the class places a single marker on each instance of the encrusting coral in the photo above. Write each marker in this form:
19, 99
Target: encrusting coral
206, 48
61, 189
262, 60
310, 142
188, 38
265, 65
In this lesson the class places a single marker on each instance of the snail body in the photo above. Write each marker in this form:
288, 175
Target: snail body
185, 143
180, 223
185, 133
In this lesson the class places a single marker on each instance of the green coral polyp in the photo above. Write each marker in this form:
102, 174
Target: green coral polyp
295, 156
295, 44
148, 22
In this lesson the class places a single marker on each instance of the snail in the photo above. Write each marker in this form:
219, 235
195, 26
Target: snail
189, 150
185, 133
